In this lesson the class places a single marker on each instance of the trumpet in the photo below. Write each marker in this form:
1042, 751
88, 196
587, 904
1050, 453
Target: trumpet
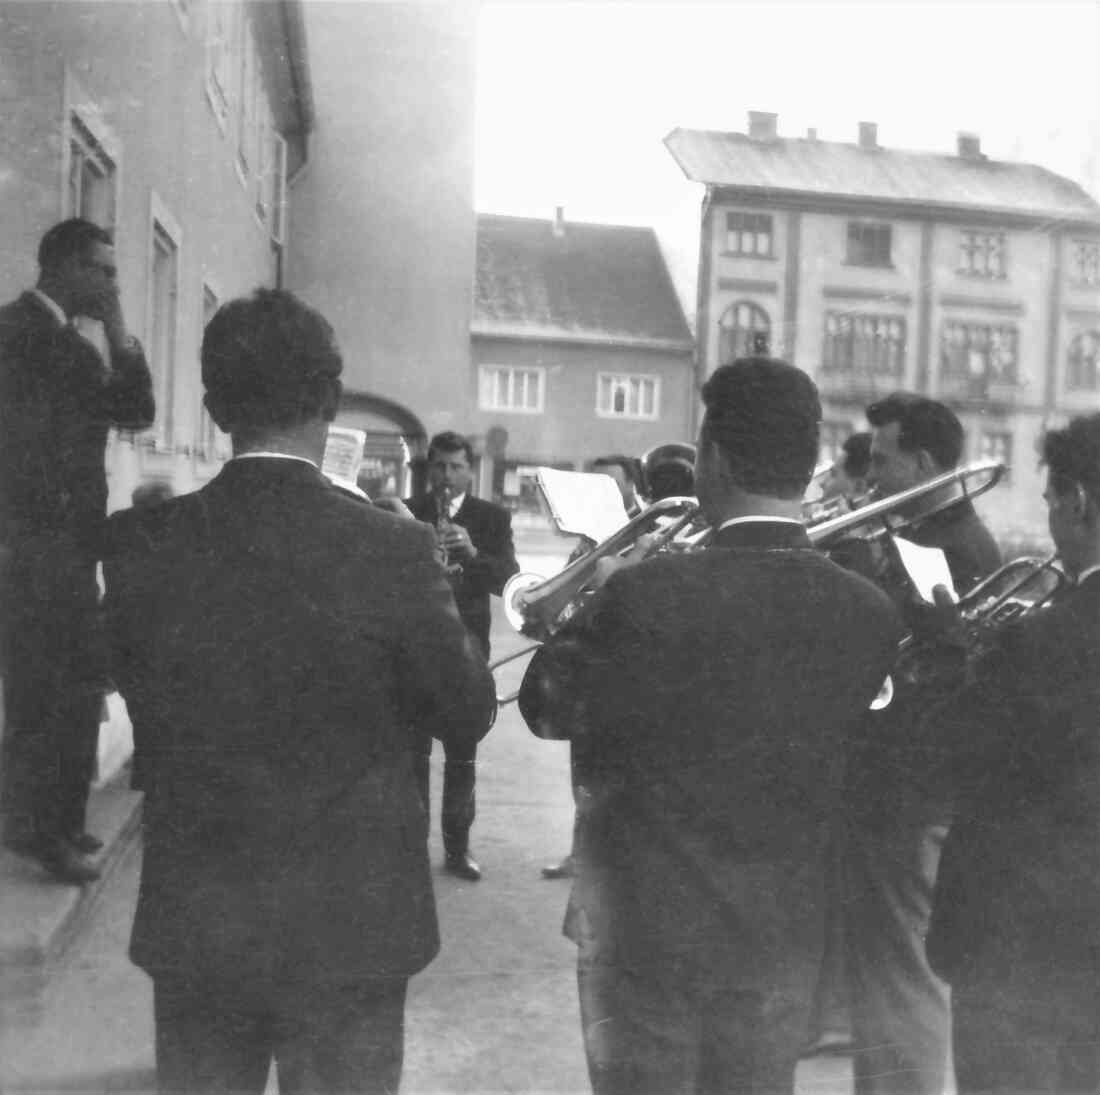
1017, 589
538, 607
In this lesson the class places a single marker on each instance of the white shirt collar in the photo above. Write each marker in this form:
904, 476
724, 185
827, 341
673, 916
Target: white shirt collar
456, 503
52, 305
276, 456
758, 518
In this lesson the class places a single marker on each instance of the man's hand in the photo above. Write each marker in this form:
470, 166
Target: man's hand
106, 306
611, 563
457, 542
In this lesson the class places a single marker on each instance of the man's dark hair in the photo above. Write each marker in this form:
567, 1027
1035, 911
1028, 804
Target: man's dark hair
449, 441
923, 423
1072, 455
765, 416
71, 238
631, 466
270, 361
857, 455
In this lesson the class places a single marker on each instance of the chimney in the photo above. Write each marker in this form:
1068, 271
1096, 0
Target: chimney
969, 146
811, 134
559, 221
868, 135
763, 126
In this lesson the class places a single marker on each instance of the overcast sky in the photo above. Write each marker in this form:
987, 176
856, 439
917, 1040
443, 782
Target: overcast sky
574, 98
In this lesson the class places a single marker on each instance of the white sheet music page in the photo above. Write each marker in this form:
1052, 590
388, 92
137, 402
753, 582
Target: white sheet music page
927, 568
583, 503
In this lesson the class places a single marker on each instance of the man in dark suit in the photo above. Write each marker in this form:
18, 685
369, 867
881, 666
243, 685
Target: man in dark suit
1016, 923
58, 400
475, 537
713, 704
279, 644
899, 811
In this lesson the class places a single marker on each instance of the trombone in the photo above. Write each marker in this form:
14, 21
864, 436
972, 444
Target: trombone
538, 607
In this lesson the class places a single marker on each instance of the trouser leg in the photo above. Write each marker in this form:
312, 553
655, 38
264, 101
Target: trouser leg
207, 1043
339, 1040
459, 803
829, 1016
900, 1009
422, 771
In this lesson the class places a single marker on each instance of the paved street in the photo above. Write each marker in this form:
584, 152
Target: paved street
495, 1013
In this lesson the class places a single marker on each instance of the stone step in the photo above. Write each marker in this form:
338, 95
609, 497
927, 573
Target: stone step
40, 917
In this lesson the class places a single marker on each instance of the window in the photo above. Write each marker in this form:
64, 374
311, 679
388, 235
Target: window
864, 344
164, 260
743, 329
248, 117
982, 254
749, 234
1086, 262
869, 244
627, 395
91, 177
220, 25
1083, 364
996, 445
508, 388
90, 160
977, 354
271, 184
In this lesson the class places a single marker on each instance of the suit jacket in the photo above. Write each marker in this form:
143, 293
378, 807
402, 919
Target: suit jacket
57, 403
897, 776
278, 645
717, 692
490, 529
1020, 873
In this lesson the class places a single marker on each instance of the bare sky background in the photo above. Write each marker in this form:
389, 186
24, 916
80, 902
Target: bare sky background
574, 98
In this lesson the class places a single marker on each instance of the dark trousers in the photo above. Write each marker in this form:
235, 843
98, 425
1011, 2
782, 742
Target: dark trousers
901, 1011
217, 1041
1028, 1026
459, 800
659, 1030
459, 782
53, 695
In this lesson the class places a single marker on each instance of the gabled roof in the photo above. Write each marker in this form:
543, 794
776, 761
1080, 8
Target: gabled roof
592, 283
827, 169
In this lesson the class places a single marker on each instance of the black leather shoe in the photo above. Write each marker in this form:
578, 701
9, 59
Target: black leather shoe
462, 866
85, 843
564, 869
64, 862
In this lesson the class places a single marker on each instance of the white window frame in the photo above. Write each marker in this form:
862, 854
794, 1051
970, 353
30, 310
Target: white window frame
248, 112
162, 221
221, 58
78, 105
487, 381
625, 380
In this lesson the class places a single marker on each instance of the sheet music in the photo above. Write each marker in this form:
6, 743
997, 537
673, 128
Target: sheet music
583, 503
927, 568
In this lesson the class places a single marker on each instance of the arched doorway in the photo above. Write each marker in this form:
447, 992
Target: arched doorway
396, 439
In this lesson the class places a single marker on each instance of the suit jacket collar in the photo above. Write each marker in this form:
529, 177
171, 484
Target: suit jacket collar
1091, 584
45, 303
763, 534
257, 471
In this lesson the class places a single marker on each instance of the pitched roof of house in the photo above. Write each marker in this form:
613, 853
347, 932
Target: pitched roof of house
834, 169
594, 283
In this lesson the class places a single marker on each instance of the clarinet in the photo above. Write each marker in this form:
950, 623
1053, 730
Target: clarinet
443, 523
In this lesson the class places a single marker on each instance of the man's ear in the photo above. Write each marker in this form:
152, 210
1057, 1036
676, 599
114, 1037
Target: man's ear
927, 464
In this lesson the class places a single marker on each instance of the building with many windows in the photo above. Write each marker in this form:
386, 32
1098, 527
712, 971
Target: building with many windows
873, 269
580, 348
